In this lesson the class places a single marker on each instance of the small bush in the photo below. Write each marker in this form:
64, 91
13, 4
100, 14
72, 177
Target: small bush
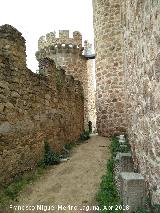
125, 149
69, 146
50, 157
84, 136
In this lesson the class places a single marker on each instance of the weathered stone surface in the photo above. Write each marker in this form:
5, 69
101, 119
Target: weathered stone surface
141, 24
33, 107
110, 100
127, 43
132, 190
125, 162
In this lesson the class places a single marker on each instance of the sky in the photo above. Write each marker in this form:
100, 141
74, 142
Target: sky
34, 18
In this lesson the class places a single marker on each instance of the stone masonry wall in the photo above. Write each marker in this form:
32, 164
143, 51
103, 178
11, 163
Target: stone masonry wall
33, 107
141, 23
88, 52
110, 100
67, 53
91, 93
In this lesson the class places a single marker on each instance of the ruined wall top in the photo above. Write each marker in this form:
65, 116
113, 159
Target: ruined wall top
10, 33
12, 45
52, 39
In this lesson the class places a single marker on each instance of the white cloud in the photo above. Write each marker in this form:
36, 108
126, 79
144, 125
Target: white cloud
37, 17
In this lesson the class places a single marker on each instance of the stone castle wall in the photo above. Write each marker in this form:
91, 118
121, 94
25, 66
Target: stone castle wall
88, 52
128, 55
67, 53
141, 25
110, 100
91, 93
33, 107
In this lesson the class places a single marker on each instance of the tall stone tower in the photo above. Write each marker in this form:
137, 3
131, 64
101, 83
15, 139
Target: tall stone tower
109, 70
127, 33
88, 52
68, 53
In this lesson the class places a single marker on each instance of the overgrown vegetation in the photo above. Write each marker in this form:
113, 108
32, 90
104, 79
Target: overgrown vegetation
108, 195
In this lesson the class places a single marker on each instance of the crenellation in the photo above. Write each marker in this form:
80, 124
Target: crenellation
77, 37
51, 104
52, 39
64, 34
58, 48
41, 42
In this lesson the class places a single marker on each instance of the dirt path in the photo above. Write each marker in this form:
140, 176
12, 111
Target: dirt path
74, 182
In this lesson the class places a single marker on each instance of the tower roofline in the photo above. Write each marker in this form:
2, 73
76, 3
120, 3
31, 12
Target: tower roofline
52, 39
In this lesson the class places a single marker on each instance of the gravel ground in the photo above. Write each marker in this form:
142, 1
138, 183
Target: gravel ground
74, 182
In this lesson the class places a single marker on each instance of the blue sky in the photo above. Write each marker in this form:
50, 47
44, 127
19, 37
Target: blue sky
37, 17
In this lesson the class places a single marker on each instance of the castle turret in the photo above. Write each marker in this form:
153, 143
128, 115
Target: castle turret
67, 53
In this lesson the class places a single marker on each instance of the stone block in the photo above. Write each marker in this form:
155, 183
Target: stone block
132, 189
122, 139
125, 162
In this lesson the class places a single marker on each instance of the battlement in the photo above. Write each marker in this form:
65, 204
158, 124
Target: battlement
58, 48
51, 39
